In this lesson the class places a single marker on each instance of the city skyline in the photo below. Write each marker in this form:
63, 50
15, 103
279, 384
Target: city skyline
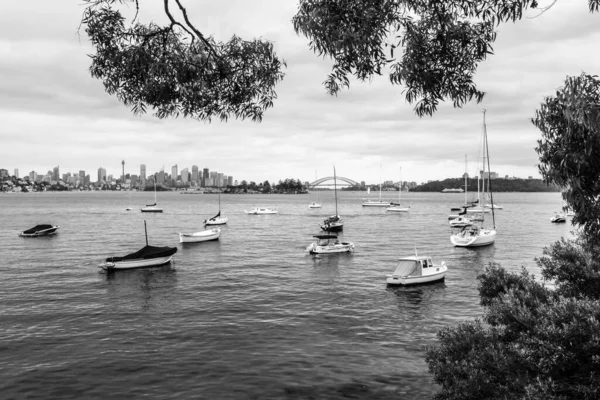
366, 131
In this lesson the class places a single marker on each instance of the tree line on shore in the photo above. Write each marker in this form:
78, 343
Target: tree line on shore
498, 185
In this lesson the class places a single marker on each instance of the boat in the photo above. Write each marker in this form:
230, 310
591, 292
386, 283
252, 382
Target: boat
376, 203
446, 190
415, 270
202, 236
152, 207
130, 207
147, 256
315, 204
476, 236
40, 230
334, 222
327, 244
467, 203
398, 207
261, 210
217, 219
495, 206
558, 218
460, 221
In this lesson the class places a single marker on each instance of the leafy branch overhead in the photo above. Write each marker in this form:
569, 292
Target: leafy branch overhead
432, 47
175, 69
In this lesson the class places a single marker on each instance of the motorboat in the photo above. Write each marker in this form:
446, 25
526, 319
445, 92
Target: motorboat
261, 210
558, 217
495, 206
460, 222
217, 219
333, 224
202, 236
147, 256
40, 230
314, 204
327, 244
476, 236
473, 236
153, 208
415, 270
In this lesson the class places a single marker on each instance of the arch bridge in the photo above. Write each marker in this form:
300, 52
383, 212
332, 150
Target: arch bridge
330, 178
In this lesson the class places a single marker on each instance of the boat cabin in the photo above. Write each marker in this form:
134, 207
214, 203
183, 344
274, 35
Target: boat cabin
413, 266
325, 240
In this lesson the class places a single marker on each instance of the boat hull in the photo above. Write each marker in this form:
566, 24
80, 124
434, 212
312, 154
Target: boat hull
216, 221
484, 238
375, 204
152, 210
132, 264
44, 232
398, 209
260, 212
203, 236
343, 247
415, 280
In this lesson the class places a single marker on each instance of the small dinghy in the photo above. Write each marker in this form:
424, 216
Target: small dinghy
202, 236
558, 218
147, 256
327, 244
416, 270
40, 230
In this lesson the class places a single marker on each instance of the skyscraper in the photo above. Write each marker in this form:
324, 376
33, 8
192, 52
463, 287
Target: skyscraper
55, 174
194, 173
184, 175
101, 174
204, 176
81, 177
123, 174
143, 171
174, 172
16, 172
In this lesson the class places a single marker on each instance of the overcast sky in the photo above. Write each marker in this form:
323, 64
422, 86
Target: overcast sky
52, 112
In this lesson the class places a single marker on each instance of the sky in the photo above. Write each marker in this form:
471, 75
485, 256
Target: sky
53, 113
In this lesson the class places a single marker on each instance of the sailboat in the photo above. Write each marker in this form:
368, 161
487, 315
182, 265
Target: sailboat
398, 207
130, 207
474, 235
152, 207
316, 204
333, 223
376, 203
217, 219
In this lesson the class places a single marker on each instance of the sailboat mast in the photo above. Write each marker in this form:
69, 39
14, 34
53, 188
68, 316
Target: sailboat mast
489, 177
146, 232
465, 179
335, 190
400, 187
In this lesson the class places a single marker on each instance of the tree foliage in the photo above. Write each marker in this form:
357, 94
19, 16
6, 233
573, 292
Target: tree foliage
175, 69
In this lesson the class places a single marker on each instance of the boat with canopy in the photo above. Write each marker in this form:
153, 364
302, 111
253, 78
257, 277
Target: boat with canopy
329, 243
40, 230
417, 270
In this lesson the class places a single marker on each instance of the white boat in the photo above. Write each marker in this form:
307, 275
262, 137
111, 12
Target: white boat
457, 190
202, 236
327, 244
478, 210
40, 230
376, 203
558, 217
217, 219
333, 223
460, 221
495, 206
130, 207
398, 207
475, 236
261, 210
315, 204
415, 270
147, 256
152, 207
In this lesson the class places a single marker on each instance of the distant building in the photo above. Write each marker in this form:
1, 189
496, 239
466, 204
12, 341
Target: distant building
362, 184
101, 174
174, 172
81, 177
185, 175
230, 181
143, 171
205, 176
56, 174
16, 172
133, 181
161, 176
194, 173
220, 179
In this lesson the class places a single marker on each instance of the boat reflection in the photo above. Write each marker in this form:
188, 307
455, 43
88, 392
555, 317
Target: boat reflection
142, 288
417, 294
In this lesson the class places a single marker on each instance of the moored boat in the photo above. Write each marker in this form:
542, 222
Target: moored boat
460, 221
558, 218
333, 223
217, 219
40, 230
153, 208
417, 270
327, 244
261, 210
147, 256
201, 236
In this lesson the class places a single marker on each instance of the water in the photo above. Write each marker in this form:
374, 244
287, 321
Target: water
248, 316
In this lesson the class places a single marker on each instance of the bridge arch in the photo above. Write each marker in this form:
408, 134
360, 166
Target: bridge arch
330, 178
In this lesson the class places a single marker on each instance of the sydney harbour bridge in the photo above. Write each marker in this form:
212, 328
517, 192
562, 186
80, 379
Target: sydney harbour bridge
321, 182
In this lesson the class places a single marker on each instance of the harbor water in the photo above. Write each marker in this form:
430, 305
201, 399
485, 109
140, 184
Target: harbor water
250, 316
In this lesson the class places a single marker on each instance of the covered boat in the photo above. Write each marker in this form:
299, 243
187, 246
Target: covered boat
326, 244
147, 256
202, 236
415, 270
40, 230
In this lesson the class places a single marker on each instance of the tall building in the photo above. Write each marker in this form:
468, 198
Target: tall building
174, 172
220, 179
142, 171
16, 172
161, 176
230, 181
194, 173
56, 174
101, 174
134, 181
184, 175
81, 177
205, 176
123, 173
